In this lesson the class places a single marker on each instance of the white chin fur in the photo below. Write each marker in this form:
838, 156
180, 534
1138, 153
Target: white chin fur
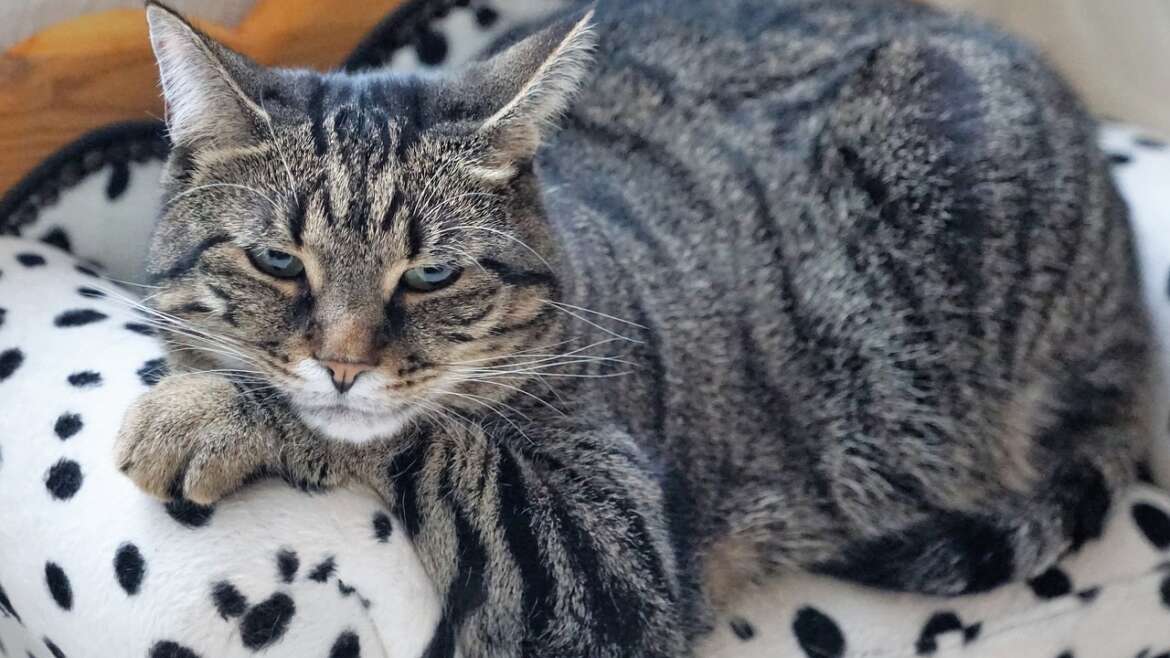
363, 414
353, 426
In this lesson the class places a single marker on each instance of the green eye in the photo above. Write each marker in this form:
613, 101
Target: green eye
276, 263
430, 277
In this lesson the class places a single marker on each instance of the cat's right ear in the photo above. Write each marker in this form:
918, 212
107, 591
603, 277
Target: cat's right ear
209, 89
533, 83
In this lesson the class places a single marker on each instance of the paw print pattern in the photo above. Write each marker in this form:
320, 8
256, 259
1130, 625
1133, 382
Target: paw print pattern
265, 623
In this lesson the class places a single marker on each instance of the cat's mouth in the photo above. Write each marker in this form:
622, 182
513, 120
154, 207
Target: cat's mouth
356, 424
363, 413
339, 407
334, 410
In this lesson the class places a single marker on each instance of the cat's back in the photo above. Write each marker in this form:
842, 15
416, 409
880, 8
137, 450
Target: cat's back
696, 58
750, 152
745, 152
837, 219
701, 43
688, 98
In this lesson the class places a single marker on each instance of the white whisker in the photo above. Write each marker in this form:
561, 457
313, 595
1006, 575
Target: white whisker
488, 403
557, 359
502, 234
210, 186
599, 313
292, 181
562, 375
171, 324
516, 389
525, 353
123, 282
595, 325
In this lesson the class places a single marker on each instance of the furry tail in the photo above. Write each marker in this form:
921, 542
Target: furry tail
956, 553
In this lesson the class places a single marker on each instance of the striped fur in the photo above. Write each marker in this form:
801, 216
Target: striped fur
837, 286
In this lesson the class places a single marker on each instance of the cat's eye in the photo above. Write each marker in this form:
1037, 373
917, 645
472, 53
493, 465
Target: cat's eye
430, 277
279, 264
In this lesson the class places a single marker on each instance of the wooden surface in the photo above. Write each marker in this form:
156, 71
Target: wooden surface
98, 69
20, 19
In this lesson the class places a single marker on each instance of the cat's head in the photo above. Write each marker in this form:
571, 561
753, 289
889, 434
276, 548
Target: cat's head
366, 245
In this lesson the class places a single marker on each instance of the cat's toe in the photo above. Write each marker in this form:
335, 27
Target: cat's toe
212, 475
154, 467
154, 446
204, 492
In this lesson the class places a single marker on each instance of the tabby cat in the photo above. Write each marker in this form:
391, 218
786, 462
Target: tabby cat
840, 286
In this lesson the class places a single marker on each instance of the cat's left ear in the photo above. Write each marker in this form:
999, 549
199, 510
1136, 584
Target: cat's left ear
210, 90
539, 77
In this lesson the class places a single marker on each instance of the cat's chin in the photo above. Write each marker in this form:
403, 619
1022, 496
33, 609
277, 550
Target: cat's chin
352, 425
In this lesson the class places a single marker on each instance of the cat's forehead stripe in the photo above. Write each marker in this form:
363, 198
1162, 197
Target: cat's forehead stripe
296, 218
383, 127
344, 113
409, 121
392, 210
317, 119
414, 235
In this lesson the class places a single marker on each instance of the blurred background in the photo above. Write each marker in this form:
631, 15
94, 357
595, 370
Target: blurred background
61, 75
1116, 52
23, 18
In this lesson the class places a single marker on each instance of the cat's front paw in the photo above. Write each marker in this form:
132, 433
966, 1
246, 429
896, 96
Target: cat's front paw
185, 437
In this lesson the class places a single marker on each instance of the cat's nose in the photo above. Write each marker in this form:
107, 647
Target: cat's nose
345, 374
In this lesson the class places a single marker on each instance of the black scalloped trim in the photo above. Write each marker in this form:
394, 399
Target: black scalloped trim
399, 29
140, 141
119, 143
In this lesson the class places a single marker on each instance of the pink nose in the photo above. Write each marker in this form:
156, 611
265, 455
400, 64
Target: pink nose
345, 374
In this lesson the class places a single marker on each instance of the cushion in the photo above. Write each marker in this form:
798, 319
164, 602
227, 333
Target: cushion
90, 565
